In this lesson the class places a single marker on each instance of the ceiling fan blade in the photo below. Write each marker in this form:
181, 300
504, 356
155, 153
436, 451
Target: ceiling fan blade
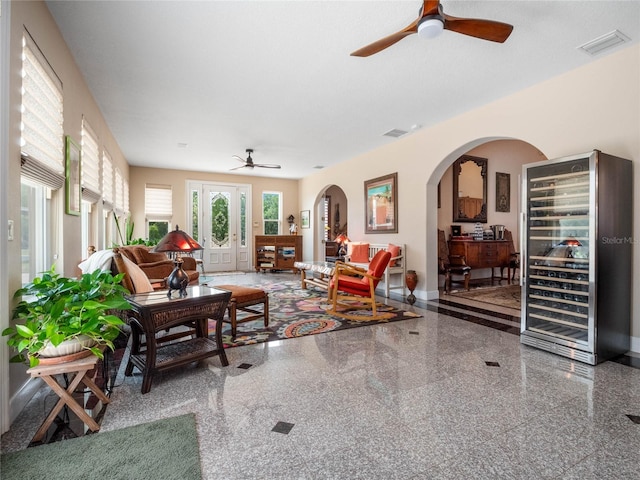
240, 159
385, 42
266, 165
429, 7
484, 29
237, 168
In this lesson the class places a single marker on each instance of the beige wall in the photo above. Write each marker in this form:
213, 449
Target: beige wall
140, 176
595, 106
505, 156
78, 101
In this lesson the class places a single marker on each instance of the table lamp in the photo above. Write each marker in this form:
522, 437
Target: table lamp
342, 239
176, 242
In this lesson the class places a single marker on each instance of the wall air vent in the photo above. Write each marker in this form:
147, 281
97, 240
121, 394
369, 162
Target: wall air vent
395, 133
605, 42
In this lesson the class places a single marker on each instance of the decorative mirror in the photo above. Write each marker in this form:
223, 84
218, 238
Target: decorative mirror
470, 189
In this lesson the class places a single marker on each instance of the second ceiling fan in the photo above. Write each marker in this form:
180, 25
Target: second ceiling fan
432, 20
248, 162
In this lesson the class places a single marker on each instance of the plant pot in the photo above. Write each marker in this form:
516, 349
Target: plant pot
79, 344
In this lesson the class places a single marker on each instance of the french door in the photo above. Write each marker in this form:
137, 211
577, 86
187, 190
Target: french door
220, 224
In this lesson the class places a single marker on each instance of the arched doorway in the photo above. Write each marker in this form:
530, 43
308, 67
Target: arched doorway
505, 156
331, 210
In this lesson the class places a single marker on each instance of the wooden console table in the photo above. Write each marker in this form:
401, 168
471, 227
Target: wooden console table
484, 254
153, 312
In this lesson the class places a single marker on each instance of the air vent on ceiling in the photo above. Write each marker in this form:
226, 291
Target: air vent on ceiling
395, 133
605, 42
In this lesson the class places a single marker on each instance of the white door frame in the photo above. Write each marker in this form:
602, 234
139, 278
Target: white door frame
240, 257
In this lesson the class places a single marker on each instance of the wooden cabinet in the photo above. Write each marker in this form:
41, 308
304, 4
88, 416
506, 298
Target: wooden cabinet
277, 252
482, 253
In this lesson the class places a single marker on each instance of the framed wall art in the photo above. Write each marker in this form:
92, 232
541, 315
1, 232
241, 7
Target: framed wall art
73, 184
503, 192
305, 219
381, 204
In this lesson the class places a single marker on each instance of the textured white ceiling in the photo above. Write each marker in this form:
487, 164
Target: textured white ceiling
276, 76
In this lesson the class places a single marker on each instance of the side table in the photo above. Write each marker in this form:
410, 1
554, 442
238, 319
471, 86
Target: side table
153, 312
80, 368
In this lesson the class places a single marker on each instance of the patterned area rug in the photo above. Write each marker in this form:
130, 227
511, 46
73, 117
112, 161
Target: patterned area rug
507, 296
294, 312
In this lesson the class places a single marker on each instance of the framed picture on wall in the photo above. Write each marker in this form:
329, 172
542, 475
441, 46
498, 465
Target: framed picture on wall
503, 192
73, 184
305, 218
381, 204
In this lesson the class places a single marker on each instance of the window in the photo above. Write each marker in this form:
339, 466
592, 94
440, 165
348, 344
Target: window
119, 193
108, 227
85, 215
158, 208
91, 186
271, 212
41, 125
35, 214
42, 162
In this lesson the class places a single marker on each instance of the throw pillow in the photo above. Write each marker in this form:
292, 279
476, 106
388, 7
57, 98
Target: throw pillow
140, 281
394, 250
360, 253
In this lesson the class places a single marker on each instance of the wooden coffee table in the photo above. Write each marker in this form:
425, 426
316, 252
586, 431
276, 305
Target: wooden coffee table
153, 312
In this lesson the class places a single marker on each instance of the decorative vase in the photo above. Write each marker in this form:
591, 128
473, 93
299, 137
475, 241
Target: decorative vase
411, 279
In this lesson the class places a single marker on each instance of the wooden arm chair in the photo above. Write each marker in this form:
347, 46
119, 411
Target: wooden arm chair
355, 284
514, 259
449, 265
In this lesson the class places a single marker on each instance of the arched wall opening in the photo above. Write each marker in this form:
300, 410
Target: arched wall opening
330, 212
504, 155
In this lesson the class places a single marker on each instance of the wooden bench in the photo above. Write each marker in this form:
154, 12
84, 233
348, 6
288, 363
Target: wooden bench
394, 276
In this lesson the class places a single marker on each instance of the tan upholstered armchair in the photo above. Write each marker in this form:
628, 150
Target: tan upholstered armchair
157, 266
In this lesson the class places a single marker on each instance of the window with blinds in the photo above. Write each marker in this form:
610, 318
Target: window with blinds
41, 125
119, 192
90, 164
126, 196
107, 181
158, 202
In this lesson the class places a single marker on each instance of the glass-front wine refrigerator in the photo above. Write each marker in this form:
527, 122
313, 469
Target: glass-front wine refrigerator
576, 257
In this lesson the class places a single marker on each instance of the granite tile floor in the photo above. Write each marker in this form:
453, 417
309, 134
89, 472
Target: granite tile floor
451, 395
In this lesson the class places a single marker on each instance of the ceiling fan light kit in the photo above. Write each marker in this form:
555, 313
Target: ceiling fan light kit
431, 27
430, 23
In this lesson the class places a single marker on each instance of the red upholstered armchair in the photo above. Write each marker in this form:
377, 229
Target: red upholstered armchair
355, 284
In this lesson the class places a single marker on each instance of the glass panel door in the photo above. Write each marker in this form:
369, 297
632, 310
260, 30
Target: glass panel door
558, 246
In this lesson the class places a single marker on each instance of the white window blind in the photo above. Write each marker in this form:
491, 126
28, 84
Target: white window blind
158, 202
126, 196
119, 191
41, 126
90, 164
107, 181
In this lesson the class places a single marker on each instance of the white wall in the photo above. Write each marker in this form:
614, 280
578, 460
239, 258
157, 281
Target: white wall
596, 106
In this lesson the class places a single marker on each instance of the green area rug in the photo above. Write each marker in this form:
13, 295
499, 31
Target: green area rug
294, 312
507, 296
165, 449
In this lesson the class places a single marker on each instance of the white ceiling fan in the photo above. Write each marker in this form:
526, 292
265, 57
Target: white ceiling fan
248, 162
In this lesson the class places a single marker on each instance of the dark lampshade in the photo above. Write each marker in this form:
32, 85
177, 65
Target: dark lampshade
177, 241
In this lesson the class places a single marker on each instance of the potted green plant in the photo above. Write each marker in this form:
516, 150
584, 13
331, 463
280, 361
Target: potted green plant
54, 309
